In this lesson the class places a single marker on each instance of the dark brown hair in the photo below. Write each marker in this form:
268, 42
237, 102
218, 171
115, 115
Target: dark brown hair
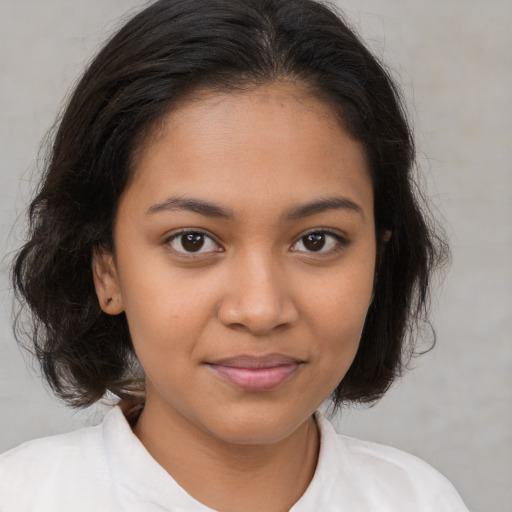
166, 52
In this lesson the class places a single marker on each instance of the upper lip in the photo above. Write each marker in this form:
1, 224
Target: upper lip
256, 361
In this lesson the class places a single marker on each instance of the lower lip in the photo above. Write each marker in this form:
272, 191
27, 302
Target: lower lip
256, 379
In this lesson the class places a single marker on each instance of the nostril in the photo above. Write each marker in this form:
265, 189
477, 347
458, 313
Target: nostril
258, 302
256, 321
238, 327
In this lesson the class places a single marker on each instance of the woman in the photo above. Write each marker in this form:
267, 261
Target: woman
226, 235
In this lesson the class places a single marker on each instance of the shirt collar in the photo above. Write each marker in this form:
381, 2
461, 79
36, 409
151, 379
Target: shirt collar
143, 485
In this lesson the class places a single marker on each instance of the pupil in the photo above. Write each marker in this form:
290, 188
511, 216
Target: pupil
192, 242
314, 241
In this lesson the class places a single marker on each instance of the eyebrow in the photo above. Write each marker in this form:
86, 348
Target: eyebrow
212, 210
193, 205
323, 205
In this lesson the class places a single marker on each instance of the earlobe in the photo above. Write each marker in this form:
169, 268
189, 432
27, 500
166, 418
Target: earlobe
106, 282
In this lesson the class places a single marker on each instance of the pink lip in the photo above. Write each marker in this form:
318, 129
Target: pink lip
253, 373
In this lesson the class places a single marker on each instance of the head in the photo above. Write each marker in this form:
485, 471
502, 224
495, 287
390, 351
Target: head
173, 56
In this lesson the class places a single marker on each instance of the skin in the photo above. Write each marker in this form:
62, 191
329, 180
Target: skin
255, 288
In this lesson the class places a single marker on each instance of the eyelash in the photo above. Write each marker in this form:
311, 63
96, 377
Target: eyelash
340, 241
192, 231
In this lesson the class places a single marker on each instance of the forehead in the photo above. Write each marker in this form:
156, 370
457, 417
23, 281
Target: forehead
276, 143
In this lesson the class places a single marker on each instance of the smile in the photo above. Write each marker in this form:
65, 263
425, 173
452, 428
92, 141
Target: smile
256, 373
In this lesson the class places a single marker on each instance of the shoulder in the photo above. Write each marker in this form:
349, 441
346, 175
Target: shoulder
69, 468
394, 466
391, 478
41, 457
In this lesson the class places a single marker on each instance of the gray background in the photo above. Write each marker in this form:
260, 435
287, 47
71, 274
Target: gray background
453, 59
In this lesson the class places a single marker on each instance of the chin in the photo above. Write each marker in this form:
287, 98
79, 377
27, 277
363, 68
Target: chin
256, 427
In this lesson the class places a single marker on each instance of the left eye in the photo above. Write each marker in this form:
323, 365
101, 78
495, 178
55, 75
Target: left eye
318, 241
192, 242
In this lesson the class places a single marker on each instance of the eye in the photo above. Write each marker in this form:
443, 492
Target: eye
319, 241
192, 242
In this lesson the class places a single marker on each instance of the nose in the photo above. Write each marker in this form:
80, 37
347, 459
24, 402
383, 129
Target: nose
257, 298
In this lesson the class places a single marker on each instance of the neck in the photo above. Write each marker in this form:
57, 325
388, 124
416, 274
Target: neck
249, 477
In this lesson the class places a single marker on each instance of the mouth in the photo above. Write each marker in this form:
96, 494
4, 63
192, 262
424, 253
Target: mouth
256, 373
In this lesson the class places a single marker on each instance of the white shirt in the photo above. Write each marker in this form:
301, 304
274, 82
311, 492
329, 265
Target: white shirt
106, 468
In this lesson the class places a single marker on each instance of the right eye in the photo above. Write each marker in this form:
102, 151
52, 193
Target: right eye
192, 242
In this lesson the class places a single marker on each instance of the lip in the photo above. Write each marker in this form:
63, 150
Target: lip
256, 373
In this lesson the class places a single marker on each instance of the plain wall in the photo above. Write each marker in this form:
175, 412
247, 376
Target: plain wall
453, 60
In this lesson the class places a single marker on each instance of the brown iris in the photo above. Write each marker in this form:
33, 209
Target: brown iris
192, 242
314, 241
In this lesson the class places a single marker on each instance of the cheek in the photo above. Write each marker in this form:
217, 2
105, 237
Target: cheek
166, 312
337, 313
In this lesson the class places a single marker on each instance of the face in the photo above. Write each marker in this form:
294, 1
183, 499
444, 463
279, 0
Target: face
244, 261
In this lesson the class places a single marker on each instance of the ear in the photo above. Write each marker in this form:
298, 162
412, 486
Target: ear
381, 244
386, 237
382, 239
106, 282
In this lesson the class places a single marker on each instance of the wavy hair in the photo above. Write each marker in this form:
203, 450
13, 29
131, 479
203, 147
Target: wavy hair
167, 51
